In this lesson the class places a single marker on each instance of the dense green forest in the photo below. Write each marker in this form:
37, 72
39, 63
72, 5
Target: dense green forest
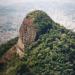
52, 53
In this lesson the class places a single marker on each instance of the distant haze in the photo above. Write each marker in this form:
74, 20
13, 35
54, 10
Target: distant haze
8, 2
12, 13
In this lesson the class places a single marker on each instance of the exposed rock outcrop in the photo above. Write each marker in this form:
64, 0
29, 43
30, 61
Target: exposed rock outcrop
27, 35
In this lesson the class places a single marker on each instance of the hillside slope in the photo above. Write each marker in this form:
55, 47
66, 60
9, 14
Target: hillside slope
52, 52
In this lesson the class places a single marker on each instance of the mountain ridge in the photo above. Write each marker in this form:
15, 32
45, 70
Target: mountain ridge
52, 53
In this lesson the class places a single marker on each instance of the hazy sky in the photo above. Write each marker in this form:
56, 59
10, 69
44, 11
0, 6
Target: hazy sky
8, 2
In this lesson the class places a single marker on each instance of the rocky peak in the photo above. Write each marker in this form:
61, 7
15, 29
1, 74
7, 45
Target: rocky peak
34, 24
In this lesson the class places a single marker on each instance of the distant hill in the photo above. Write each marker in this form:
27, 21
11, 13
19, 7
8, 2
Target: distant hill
52, 52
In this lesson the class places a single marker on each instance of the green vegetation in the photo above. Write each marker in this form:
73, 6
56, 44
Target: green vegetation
53, 53
7, 46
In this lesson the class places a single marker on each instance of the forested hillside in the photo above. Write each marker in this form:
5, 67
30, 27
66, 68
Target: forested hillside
52, 52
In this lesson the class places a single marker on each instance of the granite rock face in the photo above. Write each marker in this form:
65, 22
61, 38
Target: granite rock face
27, 34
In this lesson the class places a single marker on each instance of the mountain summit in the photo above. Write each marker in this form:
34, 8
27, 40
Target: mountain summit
43, 47
33, 25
